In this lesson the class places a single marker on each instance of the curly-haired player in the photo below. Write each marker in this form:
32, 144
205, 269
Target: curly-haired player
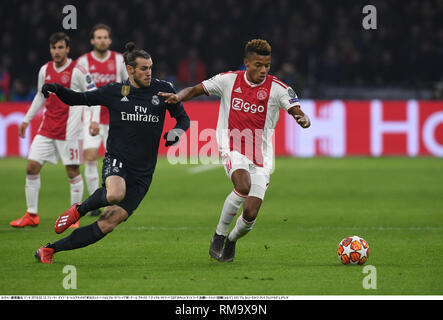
249, 110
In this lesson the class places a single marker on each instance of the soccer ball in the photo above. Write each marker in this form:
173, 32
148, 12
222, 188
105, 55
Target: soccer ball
353, 250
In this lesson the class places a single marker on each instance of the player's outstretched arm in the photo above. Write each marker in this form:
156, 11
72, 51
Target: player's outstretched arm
299, 116
68, 96
183, 95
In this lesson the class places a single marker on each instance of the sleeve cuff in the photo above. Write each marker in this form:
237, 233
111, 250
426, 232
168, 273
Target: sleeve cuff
204, 88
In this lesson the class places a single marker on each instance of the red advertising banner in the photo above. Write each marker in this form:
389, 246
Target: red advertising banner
339, 128
375, 128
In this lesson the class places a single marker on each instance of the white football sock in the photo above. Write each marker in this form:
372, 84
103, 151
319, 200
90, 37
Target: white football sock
242, 227
91, 176
32, 189
76, 184
230, 208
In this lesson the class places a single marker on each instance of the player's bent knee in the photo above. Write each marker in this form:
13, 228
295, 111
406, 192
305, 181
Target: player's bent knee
251, 208
243, 187
242, 181
72, 171
115, 197
250, 214
33, 167
115, 189
90, 154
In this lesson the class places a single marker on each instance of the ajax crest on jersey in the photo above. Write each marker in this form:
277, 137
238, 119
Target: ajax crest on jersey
262, 94
65, 79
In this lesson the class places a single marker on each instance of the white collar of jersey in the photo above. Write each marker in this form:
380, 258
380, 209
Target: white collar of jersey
252, 84
63, 67
101, 60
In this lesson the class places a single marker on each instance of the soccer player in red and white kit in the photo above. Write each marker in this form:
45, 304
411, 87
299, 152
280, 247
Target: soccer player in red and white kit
249, 110
105, 66
60, 130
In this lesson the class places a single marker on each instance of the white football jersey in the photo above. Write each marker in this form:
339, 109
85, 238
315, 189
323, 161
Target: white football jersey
59, 121
249, 113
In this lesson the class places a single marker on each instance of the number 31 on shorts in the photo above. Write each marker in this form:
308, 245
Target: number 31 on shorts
73, 154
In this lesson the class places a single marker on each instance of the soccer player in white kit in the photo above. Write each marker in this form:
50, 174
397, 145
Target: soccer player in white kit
60, 130
249, 110
105, 66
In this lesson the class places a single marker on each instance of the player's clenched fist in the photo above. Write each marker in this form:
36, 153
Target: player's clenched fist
22, 129
303, 121
50, 87
94, 128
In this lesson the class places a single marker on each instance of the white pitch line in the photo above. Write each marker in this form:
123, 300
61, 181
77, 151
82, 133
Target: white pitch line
203, 168
154, 228
301, 228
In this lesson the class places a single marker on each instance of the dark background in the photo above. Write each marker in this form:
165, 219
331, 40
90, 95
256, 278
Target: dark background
318, 47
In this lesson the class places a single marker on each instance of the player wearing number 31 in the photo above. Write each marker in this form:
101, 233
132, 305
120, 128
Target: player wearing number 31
249, 108
60, 130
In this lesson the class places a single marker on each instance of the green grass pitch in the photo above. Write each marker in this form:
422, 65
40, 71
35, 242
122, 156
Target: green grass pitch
396, 204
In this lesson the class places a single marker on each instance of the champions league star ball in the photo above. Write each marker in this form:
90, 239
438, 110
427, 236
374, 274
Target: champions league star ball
353, 250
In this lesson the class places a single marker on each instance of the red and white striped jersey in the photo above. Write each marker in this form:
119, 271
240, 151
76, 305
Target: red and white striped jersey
249, 113
103, 71
60, 121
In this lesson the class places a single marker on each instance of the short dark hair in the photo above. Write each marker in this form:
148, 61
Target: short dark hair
259, 46
100, 26
131, 54
59, 36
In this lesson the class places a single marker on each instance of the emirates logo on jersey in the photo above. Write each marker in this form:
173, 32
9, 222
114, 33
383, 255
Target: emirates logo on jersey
262, 94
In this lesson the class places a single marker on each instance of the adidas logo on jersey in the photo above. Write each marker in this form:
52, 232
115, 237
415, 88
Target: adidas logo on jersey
48, 77
124, 99
238, 90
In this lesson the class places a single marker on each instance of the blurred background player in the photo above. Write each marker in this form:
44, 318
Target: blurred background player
105, 66
60, 130
249, 110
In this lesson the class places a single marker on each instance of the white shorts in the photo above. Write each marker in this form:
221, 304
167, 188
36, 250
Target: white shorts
260, 177
44, 149
93, 142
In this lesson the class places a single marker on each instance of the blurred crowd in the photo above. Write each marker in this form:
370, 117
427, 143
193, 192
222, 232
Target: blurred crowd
314, 43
